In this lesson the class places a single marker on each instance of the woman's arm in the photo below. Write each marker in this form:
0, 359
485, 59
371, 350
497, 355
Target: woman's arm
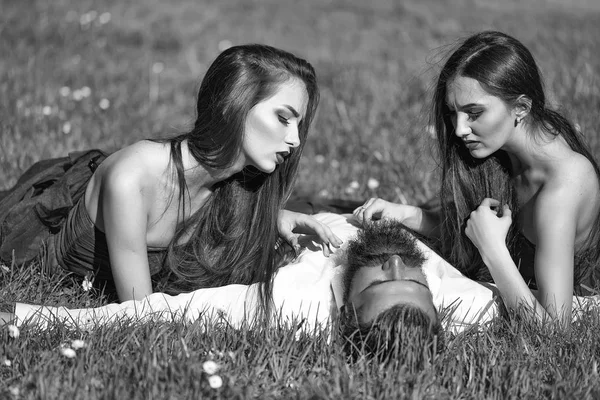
425, 222
123, 211
234, 303
553, 261
555, 222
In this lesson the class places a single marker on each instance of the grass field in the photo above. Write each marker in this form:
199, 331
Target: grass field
104, 74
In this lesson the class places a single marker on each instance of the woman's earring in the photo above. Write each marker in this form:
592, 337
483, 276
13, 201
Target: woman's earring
517, 121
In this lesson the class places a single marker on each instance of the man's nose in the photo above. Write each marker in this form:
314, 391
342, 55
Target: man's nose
395, 267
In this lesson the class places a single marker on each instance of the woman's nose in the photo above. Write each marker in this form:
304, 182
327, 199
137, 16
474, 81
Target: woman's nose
461, 126
293, 136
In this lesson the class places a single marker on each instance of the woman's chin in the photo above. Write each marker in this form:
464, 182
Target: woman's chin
266, 168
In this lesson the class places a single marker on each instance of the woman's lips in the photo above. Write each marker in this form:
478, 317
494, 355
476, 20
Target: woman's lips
281, 156
471, 144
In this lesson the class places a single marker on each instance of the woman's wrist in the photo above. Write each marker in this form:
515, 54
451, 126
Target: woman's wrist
425, 222
495, 255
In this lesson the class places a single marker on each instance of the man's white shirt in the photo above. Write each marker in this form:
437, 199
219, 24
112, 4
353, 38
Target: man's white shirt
309, 290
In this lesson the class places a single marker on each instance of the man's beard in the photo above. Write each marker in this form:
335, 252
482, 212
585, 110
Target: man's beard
375, 243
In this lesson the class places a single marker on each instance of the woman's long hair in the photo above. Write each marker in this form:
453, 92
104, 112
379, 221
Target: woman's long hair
504, 68
234, 233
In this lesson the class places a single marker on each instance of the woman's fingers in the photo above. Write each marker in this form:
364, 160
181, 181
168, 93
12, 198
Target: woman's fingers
373, 208
365, 212
506, 212
326, 234
489, 202
359, 210
323, 231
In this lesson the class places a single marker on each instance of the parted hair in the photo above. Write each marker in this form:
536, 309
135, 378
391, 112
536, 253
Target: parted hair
235, 230
504, 68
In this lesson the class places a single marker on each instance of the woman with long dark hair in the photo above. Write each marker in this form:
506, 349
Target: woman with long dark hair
520, 194
199, 210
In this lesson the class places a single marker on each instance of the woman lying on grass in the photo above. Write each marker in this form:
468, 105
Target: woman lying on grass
202, 209
520, 189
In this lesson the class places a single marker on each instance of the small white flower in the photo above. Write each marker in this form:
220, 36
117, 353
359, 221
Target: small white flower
66, 128
86, 91
372, 183
13, 331
104, 104
215, 381
68, 352
352, 187
224, 45
14, 391
88, 17
47, 110
86, 284
335, 163
158, 67
319, 159
77, 95
64, 91
7, 362
210, 367
104, 18
77, 344
84, 19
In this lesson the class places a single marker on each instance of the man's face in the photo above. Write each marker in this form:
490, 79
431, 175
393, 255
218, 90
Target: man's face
385, 269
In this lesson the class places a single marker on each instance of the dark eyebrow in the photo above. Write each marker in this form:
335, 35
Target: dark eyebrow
470, 105
292, 110
380, 281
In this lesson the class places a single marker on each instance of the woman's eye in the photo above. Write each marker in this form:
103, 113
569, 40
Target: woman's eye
474, 115
284, 120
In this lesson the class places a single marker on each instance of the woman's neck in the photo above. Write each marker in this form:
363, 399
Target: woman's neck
198, 176
533, 151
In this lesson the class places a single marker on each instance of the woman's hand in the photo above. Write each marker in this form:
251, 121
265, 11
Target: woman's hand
375, 209
291, 224
486, 229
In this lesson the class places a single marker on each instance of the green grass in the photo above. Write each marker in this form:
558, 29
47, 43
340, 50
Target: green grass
375, 62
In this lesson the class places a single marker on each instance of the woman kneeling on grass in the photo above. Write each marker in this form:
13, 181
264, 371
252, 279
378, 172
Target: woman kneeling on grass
520, 189
199, 210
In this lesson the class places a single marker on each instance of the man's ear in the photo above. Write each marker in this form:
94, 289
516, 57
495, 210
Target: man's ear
522, 107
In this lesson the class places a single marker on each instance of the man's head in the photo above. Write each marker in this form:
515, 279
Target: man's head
387, 303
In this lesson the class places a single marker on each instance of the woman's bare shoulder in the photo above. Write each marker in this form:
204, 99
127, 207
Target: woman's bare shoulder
573, 180
142, 163
141, 156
